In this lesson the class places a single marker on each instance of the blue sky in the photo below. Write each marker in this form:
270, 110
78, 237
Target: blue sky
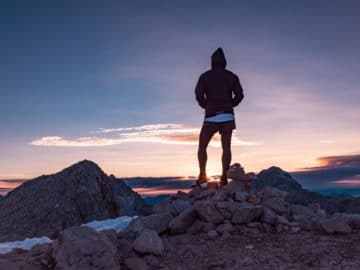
69, 69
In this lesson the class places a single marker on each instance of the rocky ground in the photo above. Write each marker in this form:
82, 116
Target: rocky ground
233, 227
250, 249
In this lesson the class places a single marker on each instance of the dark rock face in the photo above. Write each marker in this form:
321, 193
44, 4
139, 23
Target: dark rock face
128, 202
276, 177
49, 204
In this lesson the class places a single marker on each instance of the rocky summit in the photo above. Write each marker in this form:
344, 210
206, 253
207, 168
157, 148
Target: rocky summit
210, 227
48, 204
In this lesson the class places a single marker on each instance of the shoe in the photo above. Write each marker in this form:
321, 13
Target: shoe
223, 181
202, 179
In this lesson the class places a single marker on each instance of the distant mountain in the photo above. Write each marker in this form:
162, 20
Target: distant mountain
50, 203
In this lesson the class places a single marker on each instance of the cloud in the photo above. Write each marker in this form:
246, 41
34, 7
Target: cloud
339, 170
153, 133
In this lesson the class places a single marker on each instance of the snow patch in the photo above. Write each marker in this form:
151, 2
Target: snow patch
28, 243
117, 224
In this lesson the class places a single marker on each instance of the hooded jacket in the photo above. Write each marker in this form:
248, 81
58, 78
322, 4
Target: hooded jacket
218, 90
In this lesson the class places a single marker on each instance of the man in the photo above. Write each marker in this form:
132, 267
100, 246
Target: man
218, 91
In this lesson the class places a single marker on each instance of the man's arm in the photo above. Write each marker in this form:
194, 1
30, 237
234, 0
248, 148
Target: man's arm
200, 92
238, 92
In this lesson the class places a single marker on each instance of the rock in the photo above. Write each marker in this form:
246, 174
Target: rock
235, 186
180, 223
254, 198
279, 227
164, 206
148, 242
225, 213
196, 227
227, 227
208, 227
246, 214
335, 225
208, 212
352, 219
229, 206
156, 222
297, 209
180, 205
250, 246
271, 192
276, 204
182, 195
267, 227
205, 193
136, 263
295, 229
79, 194
236, 173
212, 185
308, 223
220, 195
196, 191
80, 247
269, 216
282, 220
212, 234
241, 196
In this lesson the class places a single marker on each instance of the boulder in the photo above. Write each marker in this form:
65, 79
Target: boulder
165, 206
235, 186
220, 195
335, 225
352, 219
271, 192
82, 247
182, 195
205, 193
246, 214
148, 242
212, 234
269, 216
241, 196
297, 209
180, 205
196, 227
276, 204
226, 227
156, 222
236, 173
208, 212
180, 223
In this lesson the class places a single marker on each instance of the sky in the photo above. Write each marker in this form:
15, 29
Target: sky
113, 82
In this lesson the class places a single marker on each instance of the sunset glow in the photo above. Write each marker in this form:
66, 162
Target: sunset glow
118, 88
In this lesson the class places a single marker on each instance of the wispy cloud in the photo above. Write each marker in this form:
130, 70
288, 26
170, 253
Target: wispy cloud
341, 170
153, 133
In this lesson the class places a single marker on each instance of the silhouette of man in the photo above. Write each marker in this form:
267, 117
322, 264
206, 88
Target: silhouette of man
217, 91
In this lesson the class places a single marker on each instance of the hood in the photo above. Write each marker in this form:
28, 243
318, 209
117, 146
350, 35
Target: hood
218, 59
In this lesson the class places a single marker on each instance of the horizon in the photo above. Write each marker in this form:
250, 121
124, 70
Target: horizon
114, 82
